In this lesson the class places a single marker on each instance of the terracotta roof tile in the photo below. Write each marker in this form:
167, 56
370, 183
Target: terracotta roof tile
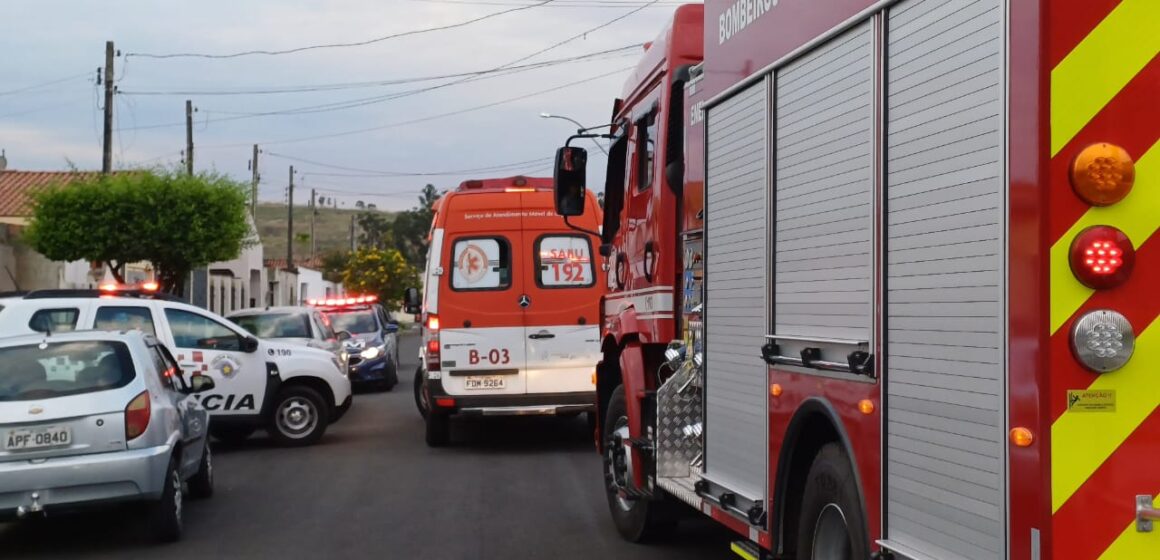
16, 186
313, 264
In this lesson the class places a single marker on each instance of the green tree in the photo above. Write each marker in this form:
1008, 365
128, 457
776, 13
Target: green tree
334, 264
176, 221
374, 230
382, 272
412, 227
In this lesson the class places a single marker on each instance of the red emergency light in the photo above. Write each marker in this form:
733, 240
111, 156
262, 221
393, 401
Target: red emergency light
1102, 257
342, 301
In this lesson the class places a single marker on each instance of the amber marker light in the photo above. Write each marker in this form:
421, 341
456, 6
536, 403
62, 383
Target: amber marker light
1022, 437
1103, 174
866, 406
775, 390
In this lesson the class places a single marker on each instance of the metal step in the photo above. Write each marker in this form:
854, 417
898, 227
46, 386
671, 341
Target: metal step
748, 551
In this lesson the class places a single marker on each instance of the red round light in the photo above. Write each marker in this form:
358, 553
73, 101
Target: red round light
1102, 257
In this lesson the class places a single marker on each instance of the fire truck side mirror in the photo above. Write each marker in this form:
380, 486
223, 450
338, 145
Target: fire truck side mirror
569, 180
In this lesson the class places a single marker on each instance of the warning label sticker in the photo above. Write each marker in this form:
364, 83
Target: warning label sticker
1091, 401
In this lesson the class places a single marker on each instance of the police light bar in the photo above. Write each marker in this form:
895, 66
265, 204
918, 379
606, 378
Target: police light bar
113, 287
340, 301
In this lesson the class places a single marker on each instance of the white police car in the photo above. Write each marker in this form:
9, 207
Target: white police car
293, 391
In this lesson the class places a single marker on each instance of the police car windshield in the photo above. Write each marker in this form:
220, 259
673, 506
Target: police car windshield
36, 371
276, 325
354, 322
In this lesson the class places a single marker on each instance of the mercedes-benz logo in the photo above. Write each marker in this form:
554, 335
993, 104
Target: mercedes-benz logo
525, 300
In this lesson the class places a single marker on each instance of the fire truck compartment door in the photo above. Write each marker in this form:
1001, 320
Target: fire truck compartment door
735, 304
945, 385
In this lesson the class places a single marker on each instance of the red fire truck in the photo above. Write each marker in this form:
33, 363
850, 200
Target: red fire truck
881, 280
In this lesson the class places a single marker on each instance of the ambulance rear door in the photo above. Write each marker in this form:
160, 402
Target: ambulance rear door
481, 320
563, 287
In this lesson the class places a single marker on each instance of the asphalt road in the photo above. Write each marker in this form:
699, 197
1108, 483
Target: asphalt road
509, 488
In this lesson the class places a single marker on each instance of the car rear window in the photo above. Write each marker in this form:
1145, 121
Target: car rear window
354, 322
564, 261
481, 263
57, 369
276, 325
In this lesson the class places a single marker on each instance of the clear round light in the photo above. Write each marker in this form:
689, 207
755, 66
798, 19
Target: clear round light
1103, 340
371, 353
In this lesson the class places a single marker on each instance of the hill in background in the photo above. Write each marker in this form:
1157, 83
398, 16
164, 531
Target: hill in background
331, 227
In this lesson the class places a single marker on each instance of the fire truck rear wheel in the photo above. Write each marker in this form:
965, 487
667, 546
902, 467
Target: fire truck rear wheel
637, 519
831, 524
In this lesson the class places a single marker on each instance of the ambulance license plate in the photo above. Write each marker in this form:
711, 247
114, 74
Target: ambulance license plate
50, 436
484, 382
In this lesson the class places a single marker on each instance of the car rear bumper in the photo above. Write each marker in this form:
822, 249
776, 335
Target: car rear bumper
66, 482
513, 405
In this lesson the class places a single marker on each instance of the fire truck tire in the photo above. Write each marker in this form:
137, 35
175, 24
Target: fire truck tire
637, 520
438, 429
420, 393
831, 524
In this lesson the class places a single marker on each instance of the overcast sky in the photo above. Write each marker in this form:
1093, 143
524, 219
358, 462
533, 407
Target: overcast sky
57, 45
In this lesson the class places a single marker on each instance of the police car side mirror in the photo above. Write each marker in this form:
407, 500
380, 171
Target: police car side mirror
569, 180
391, 328
249, 344
201, 384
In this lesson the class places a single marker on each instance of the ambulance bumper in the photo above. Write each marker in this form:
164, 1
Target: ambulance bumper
514, 405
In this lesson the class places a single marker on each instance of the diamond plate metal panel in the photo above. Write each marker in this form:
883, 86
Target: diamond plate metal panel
679, 417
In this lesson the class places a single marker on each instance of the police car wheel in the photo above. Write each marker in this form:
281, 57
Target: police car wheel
299, 417
391, 374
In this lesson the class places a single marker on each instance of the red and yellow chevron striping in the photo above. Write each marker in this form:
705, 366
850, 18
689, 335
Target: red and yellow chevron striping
1104, 83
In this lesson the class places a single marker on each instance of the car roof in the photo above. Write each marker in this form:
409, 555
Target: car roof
268, 310
73, 336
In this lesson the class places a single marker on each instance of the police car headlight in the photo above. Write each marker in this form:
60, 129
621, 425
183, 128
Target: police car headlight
371, 353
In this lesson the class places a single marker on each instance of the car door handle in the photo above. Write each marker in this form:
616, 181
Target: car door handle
541, 336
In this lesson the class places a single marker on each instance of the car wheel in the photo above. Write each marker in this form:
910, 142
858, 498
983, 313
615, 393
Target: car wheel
831, 525
438, 429
201, 485
422, 402
637, 519
299, 417
232, 434
166, 514
392, 375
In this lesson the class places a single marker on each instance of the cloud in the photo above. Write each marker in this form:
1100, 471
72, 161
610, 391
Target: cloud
61, 38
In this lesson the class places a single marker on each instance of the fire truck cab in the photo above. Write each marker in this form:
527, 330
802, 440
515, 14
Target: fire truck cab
508, 305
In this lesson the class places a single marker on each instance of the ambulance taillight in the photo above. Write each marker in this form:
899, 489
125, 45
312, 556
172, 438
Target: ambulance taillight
431, 340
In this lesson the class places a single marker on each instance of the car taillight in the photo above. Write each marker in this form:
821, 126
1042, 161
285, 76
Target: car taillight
137, 415
431, 336
1102, 257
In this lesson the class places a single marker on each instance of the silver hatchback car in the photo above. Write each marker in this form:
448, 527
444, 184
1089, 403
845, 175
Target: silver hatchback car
88, 418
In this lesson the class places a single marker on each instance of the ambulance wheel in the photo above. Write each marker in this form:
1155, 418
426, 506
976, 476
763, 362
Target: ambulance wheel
232, 434
438, 429
831, 524
637, 519
420, 393
201, 485
298, 419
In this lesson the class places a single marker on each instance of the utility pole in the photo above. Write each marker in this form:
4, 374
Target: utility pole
313, 210
290, 223
254, 185
189, 136
352, 246
107, 142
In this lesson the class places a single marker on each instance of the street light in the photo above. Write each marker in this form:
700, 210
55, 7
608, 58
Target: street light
579, 130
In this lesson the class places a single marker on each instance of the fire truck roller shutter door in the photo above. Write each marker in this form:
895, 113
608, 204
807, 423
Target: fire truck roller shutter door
735, 318
945, 384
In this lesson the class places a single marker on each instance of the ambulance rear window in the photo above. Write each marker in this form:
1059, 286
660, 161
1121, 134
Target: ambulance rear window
481, 263
564, 261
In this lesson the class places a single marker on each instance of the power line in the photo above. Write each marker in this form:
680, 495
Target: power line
559, 3
381, 173
342, 45
380, 83
437, 116
45, 84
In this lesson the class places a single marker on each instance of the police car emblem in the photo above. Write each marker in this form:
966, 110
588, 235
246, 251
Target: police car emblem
225, 365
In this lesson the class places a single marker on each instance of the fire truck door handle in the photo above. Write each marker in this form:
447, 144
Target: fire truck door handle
650, 256
541, 336
1145, 513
